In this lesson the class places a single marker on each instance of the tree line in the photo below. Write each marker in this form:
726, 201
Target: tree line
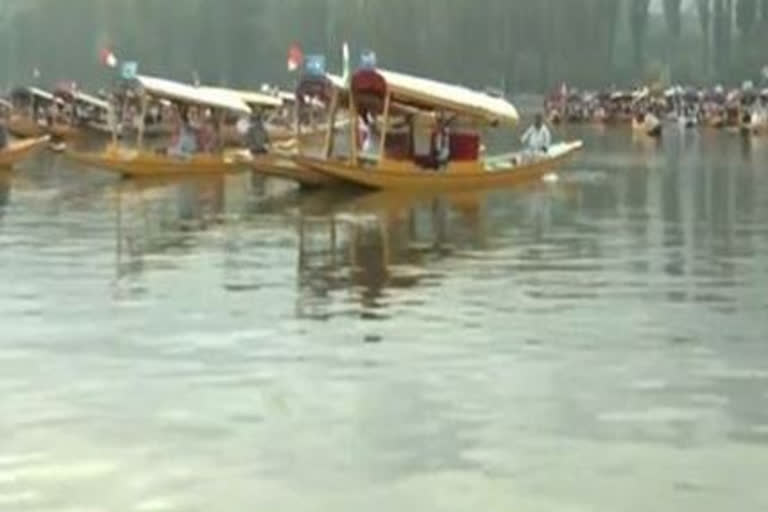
516, 45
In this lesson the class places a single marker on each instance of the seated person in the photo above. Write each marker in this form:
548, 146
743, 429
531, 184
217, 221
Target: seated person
256, 136
537, 137
185, 141
442, 145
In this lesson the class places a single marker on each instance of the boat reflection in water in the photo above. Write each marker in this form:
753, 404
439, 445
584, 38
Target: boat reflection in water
360, 257
161, 219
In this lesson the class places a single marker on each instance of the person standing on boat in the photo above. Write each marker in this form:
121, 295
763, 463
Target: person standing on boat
442, 143
369, 134
537, 137
257, 138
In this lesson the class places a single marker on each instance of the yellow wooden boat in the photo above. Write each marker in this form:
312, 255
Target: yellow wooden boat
28, 102
295, 124
24, 127
317, 95
647, 124
134, 162
285, 166
453, 114
19, 150
87, 113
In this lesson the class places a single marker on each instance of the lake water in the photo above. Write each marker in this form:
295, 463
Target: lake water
599, 343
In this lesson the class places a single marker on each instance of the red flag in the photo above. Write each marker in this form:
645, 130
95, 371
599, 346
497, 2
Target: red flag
108, 58
295, 57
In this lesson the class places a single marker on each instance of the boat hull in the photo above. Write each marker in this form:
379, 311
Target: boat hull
133, 163
19, 150
286, 167
25, 127
396, 175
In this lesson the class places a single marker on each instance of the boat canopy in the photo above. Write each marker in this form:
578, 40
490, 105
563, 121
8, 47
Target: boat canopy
82, 97
164, 88
431, 95
5, 103
250, 98
89, 99
33, 91
287, 97
320, 86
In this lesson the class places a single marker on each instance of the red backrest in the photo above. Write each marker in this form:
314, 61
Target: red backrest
465, 146
399, 145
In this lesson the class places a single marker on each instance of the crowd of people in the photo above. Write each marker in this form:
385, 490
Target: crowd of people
744, 108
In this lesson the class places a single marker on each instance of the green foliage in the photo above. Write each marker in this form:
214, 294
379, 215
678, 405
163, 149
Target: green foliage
746, 13
516, 44
674, 17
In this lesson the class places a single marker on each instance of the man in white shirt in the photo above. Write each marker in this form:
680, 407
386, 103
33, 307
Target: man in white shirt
537, 137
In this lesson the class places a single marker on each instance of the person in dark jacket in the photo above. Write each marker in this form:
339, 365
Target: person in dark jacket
257, 138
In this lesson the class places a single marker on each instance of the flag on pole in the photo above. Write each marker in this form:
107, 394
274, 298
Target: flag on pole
108, 58
345, 61
295, 57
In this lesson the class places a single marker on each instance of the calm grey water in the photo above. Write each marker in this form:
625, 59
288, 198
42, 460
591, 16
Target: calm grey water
595, 344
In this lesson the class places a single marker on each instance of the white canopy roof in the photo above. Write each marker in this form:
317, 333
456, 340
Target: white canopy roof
286, 96
199, 95
251, 98
40, 93
92, 100
336, 81
455, 97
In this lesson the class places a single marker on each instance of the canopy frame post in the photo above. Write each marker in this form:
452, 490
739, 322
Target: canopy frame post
297, 119
385, 125
142, 121
113, 123
354, 129
331, 124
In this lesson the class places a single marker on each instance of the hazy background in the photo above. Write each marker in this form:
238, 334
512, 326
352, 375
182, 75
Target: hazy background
518, 45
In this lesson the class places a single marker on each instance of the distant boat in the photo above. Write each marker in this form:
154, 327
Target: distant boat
647, 124
21, 149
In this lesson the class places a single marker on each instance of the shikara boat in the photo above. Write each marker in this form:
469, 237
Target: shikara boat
256, 101
20, 149
647, 124
412, 114
35, 114
141, 162
279, 110
320, 99
86, 112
